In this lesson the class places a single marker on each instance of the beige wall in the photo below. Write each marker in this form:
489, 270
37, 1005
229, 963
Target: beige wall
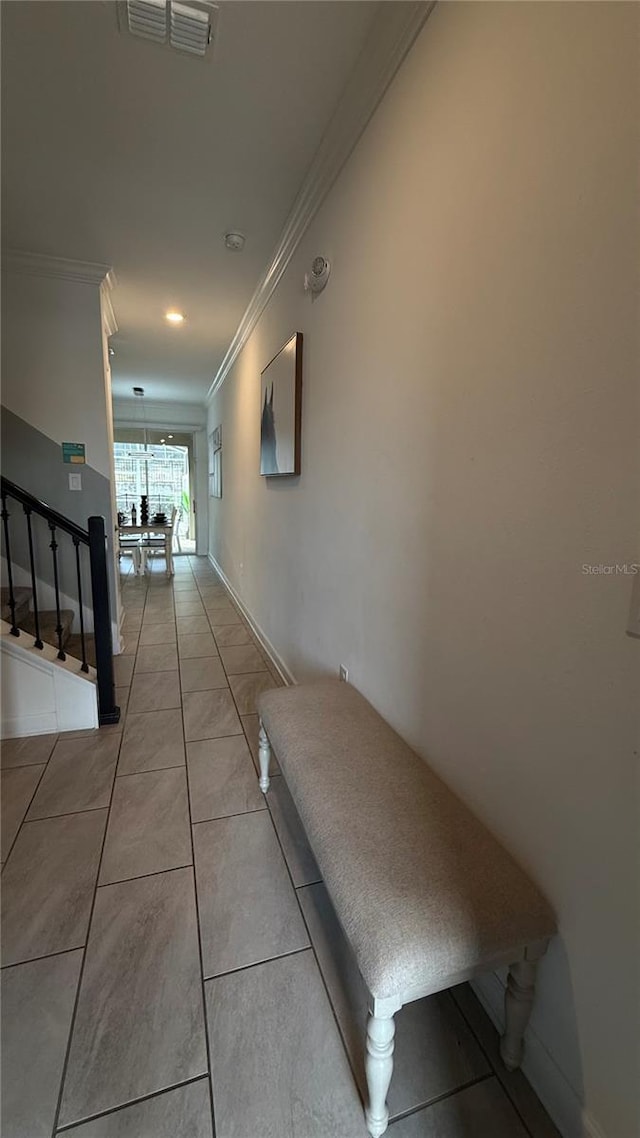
470, 440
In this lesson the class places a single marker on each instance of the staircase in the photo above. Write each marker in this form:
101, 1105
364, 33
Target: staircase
62, 657
47, 618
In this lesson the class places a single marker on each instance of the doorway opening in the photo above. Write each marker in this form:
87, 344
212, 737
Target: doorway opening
159, 464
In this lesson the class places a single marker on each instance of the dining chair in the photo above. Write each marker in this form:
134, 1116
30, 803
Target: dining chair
176, 529
160, 544
131, 545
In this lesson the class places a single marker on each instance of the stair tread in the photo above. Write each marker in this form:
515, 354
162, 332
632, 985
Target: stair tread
74, 647
22, 597
20, 592
48, 622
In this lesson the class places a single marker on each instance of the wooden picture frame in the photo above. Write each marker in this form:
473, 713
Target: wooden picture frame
281, 411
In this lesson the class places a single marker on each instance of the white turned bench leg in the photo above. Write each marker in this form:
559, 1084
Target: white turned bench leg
379, 1069
518, 1002
264, 754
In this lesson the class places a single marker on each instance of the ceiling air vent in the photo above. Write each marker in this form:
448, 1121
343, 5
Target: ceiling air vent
183, 26
190, 28
148, 18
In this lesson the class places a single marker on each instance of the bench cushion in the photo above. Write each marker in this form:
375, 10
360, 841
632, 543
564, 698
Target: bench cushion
422, 889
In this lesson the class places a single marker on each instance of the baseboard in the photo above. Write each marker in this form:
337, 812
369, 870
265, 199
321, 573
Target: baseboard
46, 724
281, 668
540, 1068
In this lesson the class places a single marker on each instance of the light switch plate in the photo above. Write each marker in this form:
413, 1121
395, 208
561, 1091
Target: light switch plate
75, 482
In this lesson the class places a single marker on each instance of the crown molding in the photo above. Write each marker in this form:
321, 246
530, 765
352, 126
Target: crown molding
393, 33
40, 265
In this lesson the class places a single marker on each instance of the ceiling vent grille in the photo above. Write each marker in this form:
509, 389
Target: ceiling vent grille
147, 18
190, 28
185, 27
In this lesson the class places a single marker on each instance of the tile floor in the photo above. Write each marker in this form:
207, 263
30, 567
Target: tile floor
170, 955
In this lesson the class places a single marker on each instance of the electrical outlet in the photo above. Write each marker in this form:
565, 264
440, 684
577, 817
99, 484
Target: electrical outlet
344, 673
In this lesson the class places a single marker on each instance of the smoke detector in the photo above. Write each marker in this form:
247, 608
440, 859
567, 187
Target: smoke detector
234, 241
319, 275
186, 27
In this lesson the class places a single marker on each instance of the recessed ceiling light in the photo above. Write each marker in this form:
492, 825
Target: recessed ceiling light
169, 436
162, 440
174, 317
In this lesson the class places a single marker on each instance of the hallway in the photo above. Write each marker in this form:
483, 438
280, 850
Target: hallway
162, 922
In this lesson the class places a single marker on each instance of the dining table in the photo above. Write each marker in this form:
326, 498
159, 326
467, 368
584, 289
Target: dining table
166, 531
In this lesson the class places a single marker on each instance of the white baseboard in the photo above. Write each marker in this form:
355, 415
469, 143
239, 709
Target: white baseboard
278, 663
18, 727
540, 1068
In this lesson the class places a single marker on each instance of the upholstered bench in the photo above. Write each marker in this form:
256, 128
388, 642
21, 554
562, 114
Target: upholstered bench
426, 895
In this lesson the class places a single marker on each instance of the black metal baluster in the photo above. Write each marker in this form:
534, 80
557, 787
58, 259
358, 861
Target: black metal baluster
38, 641
15, 631
54, 552
85, 666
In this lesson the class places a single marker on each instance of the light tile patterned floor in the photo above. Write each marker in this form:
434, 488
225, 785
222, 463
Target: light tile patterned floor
146, 992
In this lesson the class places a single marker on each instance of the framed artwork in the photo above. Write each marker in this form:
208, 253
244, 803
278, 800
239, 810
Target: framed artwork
281, 411
215, 463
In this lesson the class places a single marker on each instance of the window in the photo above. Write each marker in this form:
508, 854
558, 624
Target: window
161, 471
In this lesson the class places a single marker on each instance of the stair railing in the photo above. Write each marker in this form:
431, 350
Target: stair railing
94, 538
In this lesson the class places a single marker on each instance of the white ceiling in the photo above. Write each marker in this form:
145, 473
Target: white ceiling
118, 151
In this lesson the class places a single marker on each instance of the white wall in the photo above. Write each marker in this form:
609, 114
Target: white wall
128, 412
56, 379
53, 372
469, 442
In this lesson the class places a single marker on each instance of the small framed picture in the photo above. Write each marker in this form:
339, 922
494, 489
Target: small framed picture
215, 463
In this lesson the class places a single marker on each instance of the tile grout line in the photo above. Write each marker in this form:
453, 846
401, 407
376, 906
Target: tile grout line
492, 1066
440, 1098
72, 1021
29, 804
143, 876
67, 813
205, 1022
153, 770
131, 1102
258, 963
224, 817
45, 956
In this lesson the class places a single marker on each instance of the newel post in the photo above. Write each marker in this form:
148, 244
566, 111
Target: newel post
108, 712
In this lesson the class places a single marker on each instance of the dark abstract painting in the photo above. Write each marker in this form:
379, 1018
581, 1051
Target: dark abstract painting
280, 400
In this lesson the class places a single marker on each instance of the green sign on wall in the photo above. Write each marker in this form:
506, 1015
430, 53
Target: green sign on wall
74, 452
